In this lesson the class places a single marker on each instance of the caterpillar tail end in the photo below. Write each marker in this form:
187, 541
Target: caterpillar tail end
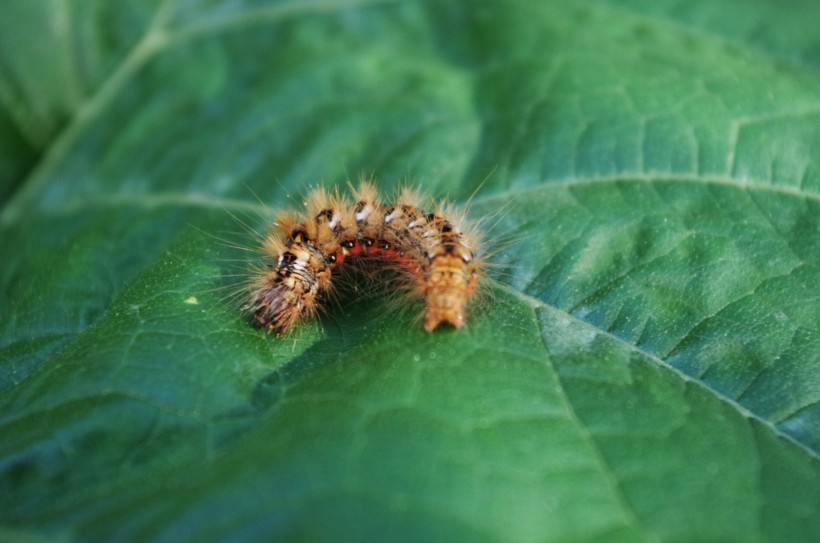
444, 307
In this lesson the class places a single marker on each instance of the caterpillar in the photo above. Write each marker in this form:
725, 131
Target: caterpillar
431, 249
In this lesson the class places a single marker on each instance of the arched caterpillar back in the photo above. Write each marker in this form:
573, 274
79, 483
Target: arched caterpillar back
432, 248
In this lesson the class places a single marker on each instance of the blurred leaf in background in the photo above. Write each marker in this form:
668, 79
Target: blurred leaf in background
645, 367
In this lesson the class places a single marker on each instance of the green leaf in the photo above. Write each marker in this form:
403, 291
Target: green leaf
645, 362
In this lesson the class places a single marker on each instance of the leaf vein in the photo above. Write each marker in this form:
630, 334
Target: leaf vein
662, 363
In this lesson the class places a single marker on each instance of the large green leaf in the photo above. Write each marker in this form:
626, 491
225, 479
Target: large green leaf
646, 362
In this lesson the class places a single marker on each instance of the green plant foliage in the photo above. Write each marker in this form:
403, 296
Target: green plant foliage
645, 362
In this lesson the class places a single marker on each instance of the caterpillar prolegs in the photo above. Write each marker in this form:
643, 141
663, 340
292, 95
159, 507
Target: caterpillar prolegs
432, 250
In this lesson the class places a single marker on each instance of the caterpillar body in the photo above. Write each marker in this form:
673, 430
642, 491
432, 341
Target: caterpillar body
432, 250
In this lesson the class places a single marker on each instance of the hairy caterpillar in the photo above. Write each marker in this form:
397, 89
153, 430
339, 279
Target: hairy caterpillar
432, 249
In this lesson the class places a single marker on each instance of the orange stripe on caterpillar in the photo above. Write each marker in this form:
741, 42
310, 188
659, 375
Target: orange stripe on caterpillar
434, 256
